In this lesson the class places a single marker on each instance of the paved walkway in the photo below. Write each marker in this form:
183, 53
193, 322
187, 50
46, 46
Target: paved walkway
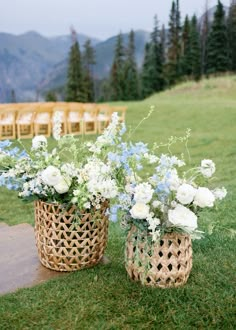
19, 263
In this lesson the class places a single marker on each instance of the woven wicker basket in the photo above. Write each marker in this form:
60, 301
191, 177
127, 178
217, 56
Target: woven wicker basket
67, 246
165, 263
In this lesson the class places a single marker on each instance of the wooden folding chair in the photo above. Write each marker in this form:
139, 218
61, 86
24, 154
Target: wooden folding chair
25, 122
121, 111
75, 124
42, 121
103, 117
90, 118
7, 123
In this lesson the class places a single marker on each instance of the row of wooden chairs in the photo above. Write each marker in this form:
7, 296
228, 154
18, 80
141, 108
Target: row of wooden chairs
30, 119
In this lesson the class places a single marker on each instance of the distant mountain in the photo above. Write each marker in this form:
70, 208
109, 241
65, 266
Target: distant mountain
26, 59
104, 57
31, 64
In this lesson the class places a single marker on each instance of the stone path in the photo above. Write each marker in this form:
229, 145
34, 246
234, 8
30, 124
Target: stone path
19, 263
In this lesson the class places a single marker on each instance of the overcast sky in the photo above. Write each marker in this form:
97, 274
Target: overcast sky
95, 18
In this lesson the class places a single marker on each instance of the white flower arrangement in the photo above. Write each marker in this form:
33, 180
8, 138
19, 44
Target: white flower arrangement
86, 180
86, 174
81, 173
170, 199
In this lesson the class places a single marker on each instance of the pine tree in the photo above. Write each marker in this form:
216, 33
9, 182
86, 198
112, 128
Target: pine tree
130, 71
231, 26
152, 75
204, 34
195, 51
186, 49
217, 52
174, 45
117, 71
163, 44
75, 86
146, 72
88, 63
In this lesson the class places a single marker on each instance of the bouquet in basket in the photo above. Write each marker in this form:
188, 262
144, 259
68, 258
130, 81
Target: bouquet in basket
170, 198
76, 172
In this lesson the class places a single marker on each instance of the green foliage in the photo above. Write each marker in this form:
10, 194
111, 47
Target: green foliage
217, 52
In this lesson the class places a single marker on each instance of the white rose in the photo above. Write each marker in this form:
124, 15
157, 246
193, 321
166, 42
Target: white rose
183, 217
63, 185
207, 167
185, 193
139, 211
219, 193
143, 193
39, 141
204, 197
51, 176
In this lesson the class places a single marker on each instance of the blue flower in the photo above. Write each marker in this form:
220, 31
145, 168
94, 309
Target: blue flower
4, 144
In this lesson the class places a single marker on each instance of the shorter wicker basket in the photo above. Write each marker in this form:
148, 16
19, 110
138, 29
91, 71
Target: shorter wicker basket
164, 263
66, 245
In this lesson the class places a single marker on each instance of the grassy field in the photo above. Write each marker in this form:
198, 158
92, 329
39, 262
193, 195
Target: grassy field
104, 297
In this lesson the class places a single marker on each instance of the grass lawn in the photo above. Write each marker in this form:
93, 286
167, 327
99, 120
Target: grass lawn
104, 297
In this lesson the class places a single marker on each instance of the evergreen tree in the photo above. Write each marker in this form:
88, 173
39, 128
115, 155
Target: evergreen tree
231, 26
152, 77
75, 86
186, 49
195, 51
117, 71
88, 63
174, 45
204, 33
217, 52
146, 72
51, 96
163, 44
130, 71
13, 96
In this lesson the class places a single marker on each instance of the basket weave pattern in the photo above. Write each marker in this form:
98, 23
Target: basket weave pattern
66, 246
165, 263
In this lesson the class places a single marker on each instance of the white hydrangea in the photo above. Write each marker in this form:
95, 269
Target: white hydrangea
38, 142
156, 204
57, 123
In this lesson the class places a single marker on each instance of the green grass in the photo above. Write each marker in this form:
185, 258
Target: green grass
104, 297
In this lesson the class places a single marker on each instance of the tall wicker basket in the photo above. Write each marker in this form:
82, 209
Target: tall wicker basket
164, 263
66, 241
